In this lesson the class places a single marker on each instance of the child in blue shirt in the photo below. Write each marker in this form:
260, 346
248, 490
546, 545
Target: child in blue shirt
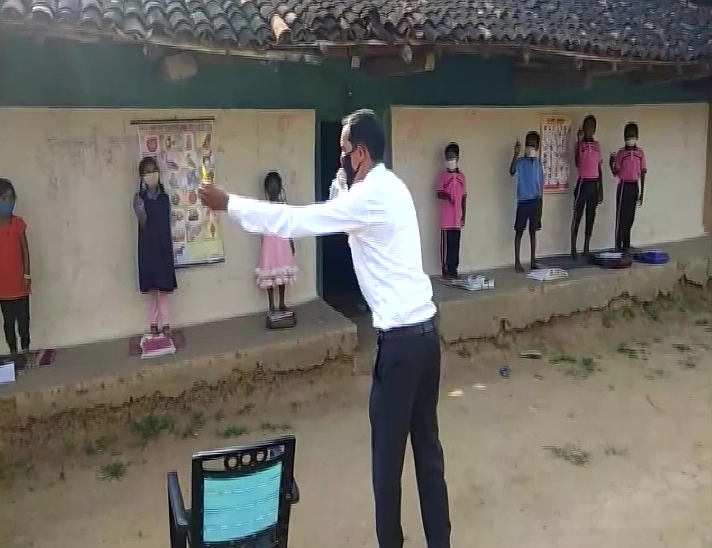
528, 174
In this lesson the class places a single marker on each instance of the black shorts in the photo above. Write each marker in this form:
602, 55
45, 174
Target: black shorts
528, 213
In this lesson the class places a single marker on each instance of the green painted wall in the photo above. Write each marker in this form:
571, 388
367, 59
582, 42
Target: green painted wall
63, 74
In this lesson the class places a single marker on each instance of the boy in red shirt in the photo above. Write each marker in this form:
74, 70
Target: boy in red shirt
589, 187
628, 164
452, 193
14, 275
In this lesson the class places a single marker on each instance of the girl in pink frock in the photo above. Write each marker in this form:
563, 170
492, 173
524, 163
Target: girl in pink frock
276, 267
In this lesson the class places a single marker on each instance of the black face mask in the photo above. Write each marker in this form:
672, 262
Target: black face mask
348, 169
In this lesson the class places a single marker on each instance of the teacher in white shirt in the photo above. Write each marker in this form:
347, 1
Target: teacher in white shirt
378, 214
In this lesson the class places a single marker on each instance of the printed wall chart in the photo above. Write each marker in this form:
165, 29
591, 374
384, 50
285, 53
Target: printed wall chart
555, 137
184, 151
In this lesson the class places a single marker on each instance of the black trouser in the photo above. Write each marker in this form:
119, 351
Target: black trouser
450, 251
626, 202
16, 312
586, 195
404, 400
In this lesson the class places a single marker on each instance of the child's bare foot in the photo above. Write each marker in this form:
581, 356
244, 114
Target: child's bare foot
154, 329
167, 330
518, 267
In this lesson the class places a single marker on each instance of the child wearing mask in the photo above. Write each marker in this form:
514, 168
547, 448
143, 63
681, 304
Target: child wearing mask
588, 192
156, 260
14, 276
628, 164
452, 194
528, 173
276, 265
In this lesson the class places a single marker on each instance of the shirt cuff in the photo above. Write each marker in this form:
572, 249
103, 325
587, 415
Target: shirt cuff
234, 206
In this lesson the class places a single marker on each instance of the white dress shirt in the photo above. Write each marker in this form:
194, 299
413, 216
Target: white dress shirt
379, 216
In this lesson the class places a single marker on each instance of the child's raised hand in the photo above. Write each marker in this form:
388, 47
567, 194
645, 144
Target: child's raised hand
579, 135
517, 148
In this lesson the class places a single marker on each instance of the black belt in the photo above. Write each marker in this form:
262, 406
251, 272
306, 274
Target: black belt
629, 182
589, 180
407, 330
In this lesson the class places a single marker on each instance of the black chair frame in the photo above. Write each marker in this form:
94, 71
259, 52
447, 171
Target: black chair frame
186, 525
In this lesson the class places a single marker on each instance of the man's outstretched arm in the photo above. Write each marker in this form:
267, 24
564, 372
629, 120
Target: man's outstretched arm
345, 213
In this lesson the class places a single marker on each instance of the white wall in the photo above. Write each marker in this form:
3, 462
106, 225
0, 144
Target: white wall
674, 138
75, 172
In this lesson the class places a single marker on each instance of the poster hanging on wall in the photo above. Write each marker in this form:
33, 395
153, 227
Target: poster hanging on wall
184, 152
555, 136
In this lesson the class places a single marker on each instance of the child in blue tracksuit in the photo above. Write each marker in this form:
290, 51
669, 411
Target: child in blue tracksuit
528, 174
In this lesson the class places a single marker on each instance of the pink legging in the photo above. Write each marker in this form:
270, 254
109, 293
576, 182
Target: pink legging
158, 308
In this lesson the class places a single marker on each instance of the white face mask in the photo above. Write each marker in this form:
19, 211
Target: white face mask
631, 142
151, 180
451, 164
530, 152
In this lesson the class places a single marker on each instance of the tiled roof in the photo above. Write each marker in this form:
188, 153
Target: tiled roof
644, 29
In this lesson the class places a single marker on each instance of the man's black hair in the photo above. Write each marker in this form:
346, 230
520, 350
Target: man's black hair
532, 135
366, 129
6, 186
452, 148
631, 127
589, 118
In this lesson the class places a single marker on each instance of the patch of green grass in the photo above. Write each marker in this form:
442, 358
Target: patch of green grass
608, 318
563, 358
571, 453
652, 374
614, 451
682, 347
114, 470
232, 431
97, 446
194, 425
581, 368
631, 351
270, 427
246, 409
464, 352
652, 310
151, 427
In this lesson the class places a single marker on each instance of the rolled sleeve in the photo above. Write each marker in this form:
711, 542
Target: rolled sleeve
347, 212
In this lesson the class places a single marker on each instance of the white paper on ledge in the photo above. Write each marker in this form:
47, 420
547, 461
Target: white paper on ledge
547, 274
7, 373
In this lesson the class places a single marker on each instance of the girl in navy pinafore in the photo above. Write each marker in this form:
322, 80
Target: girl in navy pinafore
156, 261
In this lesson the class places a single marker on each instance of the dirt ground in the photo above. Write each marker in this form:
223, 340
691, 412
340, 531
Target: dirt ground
606, 440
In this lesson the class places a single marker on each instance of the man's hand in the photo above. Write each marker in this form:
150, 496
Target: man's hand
640, 200
462, 222
140, 206
26, 284
213, 197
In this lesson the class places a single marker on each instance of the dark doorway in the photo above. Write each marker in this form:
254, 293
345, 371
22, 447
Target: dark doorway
339, 285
